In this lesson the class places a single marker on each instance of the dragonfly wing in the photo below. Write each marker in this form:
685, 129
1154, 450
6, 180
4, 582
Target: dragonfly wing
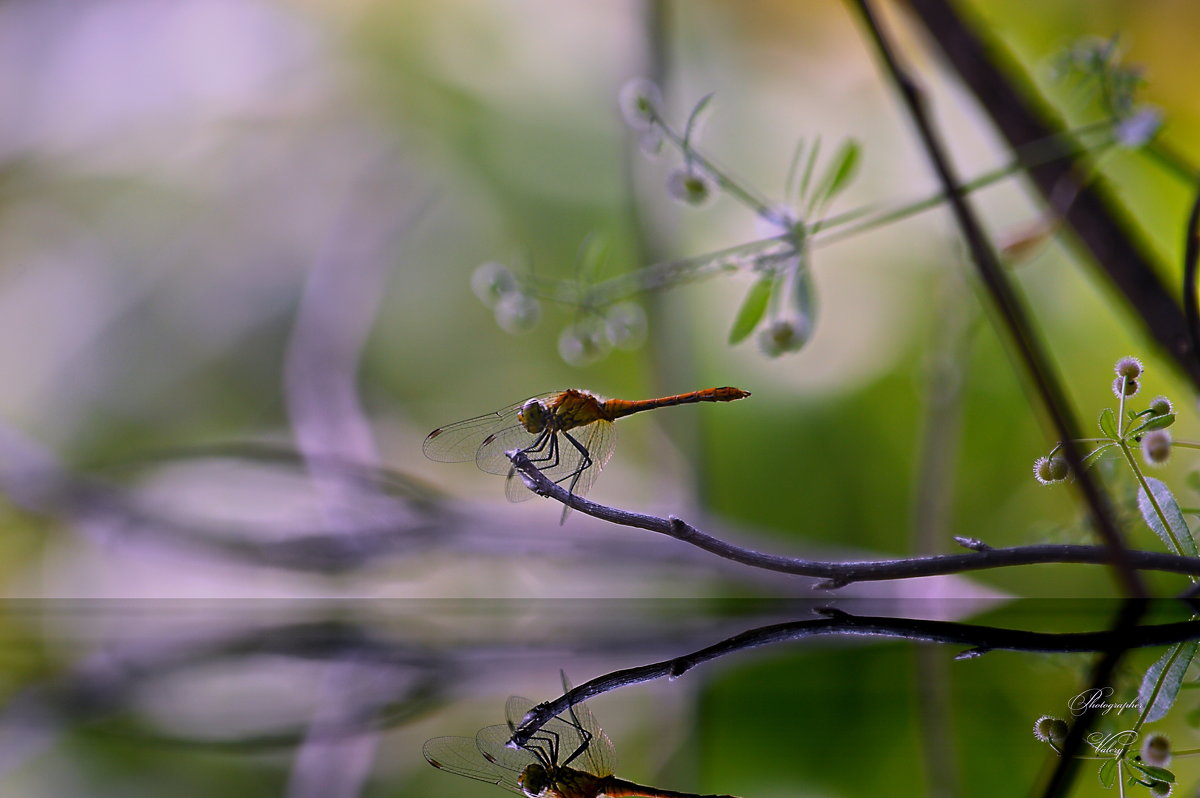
492, 744
490, 455
575, 730
599, 438
599, 757
459, 442
460, 755
515, 488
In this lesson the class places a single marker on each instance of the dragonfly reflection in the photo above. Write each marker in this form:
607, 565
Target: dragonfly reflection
569, 757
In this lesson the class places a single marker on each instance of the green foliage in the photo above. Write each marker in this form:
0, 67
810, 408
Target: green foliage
1166, 519
753, 308
1160, 686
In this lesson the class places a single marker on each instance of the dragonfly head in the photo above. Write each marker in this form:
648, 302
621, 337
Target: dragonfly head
534, 780
533, 415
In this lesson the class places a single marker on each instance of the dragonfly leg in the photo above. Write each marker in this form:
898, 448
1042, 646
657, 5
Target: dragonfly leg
538, 447
585, 736
584, 464
544, 746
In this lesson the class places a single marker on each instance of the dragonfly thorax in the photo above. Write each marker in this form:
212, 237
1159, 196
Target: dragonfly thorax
533, 416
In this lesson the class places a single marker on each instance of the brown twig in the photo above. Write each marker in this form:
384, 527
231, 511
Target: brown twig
840, 574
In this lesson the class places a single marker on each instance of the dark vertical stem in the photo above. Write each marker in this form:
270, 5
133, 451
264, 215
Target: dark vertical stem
1093, 215
1102, 676
1011, 311
1191, 255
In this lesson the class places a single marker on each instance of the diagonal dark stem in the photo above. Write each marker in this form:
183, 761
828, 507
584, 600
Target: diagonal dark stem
1191, 257
1092, 214
1008, 305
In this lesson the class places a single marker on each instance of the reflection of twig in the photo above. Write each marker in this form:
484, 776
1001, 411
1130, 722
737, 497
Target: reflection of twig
1011, 309
978, 639
840, 574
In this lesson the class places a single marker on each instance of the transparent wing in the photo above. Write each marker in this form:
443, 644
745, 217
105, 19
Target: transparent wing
459, 442
492, 744
490, 455
572, 731
564, 463
460, 755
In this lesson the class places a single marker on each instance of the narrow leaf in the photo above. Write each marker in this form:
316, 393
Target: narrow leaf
694, 118
1193, 480
752, 309
593, 255
1170, 508
1157, 422
1156, 773
1093, 457
793, 171
804, 299
809, 166
1108, 423
1160, 685
1108, 773
839, 172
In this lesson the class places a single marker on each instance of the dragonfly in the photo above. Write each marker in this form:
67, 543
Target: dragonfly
569, 435
569, 757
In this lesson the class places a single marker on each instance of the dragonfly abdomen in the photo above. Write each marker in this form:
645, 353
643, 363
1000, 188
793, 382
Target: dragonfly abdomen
613, 787
617, 408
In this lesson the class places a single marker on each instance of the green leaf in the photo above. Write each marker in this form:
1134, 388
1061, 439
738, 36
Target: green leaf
593, 255
1093, 457
752, 309
804, 299
694, 117
1160, 685
839, 172
1157, 422
1193, 480
1156, 773
1108, 773
1108, 423
1170, 508
809, 166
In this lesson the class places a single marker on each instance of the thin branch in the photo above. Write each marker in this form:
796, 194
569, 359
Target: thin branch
977, 640
1008, 304
840, 574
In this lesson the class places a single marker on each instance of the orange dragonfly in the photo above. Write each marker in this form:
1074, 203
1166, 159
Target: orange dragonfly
536, 426
568, 757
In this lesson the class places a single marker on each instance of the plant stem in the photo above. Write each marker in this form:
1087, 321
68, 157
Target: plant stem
1162, 518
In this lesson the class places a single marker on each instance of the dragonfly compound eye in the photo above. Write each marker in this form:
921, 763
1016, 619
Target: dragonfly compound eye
533, 780
533, 416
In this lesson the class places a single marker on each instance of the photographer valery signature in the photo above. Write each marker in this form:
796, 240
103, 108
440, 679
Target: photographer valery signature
1095, 699
1112, 742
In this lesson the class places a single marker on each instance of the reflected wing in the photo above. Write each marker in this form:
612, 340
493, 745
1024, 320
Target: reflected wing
461, 441
460, 755
573, 731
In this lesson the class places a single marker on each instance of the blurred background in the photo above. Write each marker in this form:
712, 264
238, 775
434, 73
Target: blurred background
237, 240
